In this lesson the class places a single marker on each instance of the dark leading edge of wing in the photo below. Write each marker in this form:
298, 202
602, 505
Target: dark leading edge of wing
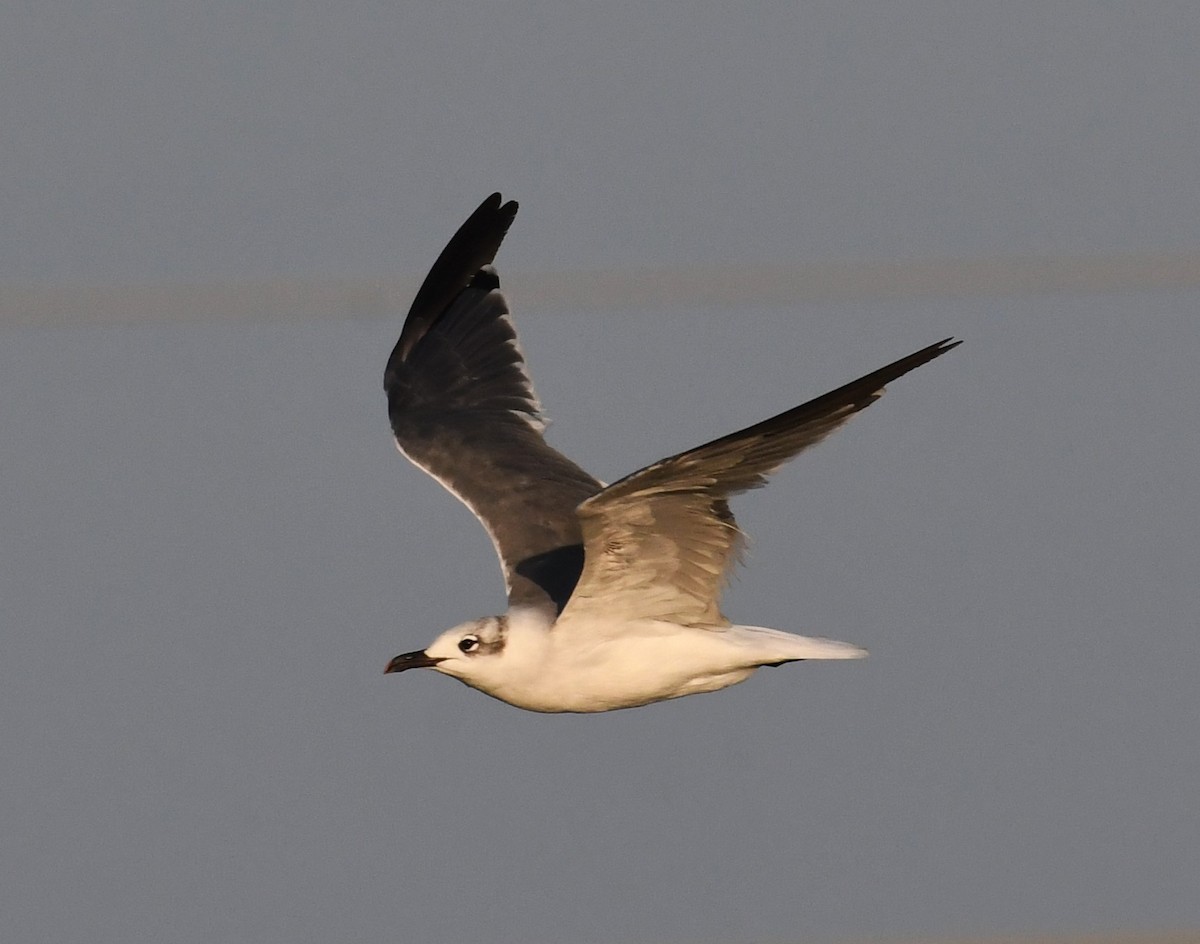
463, 408
742, 460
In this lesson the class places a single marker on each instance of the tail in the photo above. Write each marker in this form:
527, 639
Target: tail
776, 647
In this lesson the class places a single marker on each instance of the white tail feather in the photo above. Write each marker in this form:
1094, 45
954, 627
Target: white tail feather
776, 645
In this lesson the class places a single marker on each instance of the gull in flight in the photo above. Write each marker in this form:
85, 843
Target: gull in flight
613, 591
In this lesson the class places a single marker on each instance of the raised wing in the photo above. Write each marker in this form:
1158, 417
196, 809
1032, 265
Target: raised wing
462, 408
659, 543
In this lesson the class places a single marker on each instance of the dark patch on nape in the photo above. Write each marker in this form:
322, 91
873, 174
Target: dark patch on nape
556, 571
493, 644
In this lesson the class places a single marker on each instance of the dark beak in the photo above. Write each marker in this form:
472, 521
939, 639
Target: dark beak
411, 660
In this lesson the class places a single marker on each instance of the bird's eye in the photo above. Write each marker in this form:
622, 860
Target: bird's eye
468, 643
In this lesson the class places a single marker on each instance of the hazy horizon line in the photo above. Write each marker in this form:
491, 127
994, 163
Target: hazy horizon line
24, 304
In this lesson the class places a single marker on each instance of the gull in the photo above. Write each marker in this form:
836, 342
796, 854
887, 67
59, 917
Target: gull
613, 591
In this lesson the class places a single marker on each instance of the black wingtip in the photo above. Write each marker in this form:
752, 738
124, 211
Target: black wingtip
496, 202
938, 349
901, 367
473, 246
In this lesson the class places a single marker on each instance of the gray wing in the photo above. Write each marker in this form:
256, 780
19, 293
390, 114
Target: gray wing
659, 543
463, 409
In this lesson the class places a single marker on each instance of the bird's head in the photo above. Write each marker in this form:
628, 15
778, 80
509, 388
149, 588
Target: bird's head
469, 652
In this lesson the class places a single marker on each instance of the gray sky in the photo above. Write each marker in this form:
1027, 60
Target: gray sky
212, 549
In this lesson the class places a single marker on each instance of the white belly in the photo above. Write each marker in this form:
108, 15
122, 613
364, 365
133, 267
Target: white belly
602, 671
600, 665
